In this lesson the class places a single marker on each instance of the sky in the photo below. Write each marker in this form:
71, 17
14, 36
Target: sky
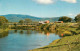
41, 8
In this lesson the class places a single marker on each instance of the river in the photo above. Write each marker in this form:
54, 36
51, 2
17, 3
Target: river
24, 40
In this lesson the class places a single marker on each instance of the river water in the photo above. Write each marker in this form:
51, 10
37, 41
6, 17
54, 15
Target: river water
24, 40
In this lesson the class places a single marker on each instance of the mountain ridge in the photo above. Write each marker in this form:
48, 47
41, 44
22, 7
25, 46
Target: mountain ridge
17, 17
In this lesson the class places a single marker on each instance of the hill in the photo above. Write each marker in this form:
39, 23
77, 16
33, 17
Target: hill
17, 17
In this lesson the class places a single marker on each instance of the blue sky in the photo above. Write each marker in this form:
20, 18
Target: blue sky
41, 8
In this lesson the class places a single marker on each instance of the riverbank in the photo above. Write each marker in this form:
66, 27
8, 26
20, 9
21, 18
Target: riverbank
70, 40
68, 43
67, 29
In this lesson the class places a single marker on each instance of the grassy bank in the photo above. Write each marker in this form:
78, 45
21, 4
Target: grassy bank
68, 43
60, 28
70, 40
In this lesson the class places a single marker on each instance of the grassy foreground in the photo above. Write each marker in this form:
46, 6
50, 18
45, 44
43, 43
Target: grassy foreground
68, 43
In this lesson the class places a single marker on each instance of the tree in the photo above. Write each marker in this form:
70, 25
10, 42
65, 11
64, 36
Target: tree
65, 19
21, 21
3, 20
35, 22
77, 18
28, 21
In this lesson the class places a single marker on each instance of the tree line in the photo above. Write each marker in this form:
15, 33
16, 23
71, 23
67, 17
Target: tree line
68, 19
28, 21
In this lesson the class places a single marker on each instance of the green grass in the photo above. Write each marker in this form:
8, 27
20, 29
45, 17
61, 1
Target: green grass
69, 43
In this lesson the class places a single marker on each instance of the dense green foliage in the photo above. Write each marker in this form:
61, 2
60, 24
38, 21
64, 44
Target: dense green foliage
3, 20
65, 19
35, 22
21, 21
3, 26
28, 21
61, 28
77, 18
3, 34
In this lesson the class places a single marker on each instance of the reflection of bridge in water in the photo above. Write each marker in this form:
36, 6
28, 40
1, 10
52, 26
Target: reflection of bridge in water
24, 24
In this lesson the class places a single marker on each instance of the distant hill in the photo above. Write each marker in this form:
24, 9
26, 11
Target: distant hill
17, 17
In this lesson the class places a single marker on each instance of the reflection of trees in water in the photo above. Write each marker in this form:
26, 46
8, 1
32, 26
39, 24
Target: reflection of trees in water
15, 31
4, 34
34, 31
39, 31
29, 32
47, 32
21, 32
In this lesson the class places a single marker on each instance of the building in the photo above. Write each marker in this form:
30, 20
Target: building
44, 22
47, 21
41, 22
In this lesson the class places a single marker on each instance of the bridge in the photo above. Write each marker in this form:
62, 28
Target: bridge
24, 24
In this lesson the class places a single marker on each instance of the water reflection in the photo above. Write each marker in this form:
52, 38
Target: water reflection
4, 34
24, 40
45, 32
56, 32
21, 32
15, 31
29, 32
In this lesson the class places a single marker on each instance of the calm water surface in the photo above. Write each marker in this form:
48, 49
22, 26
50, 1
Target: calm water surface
17, 40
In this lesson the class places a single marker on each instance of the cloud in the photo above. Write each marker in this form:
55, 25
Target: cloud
45, 1
70, 1
71, 14
53, 1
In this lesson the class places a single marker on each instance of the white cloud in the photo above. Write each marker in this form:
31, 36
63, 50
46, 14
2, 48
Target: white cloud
70, 14
45, 1
70, 1
53, 1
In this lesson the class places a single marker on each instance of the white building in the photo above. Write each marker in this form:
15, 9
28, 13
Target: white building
41, 22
